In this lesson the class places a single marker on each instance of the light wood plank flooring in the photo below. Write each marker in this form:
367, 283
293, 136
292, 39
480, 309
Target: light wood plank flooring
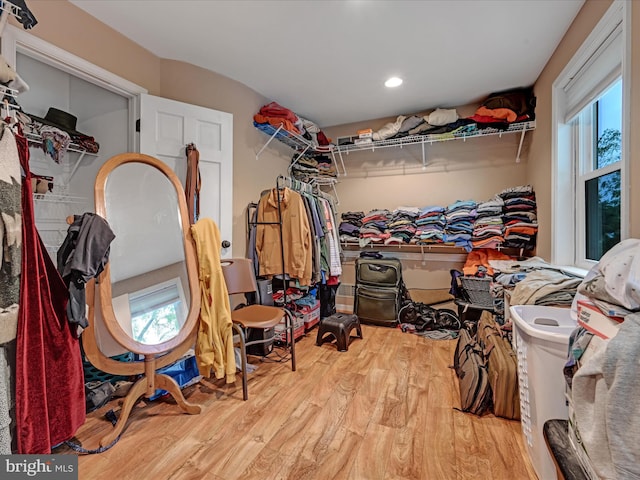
382, 410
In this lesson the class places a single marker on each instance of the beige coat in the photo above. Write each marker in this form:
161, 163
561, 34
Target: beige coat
214, 344
296, 236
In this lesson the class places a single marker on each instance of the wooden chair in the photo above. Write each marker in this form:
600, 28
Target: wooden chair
240, 279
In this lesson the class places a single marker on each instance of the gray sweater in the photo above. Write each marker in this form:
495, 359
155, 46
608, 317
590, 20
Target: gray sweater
606, 389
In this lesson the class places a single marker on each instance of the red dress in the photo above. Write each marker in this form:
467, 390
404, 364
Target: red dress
50, 403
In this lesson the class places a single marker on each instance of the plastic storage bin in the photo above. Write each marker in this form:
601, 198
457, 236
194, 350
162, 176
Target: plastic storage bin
541, 340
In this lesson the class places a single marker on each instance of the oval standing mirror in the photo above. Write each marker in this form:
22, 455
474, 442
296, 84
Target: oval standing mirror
149, 283
149, 295
148, 291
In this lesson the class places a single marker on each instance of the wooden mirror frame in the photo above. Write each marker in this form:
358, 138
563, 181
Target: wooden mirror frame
106, 300
155, 356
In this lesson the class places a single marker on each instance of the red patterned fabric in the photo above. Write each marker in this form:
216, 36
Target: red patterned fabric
50, 404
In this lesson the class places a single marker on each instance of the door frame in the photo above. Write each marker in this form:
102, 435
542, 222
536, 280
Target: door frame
16, 40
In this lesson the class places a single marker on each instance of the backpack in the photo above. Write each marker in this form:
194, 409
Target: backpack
427, 318
473, 379
502, 367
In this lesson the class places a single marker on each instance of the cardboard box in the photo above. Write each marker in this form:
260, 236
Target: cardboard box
365, 133
591, 318
298, 329
311, 316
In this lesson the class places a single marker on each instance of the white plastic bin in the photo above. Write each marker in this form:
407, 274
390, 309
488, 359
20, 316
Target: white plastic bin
541, 340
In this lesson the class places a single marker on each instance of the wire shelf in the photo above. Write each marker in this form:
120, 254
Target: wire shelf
293, 140
434, 138
59, 198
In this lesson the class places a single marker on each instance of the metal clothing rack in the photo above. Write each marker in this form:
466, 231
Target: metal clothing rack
289, 326
283, 182
313, 189
310, 188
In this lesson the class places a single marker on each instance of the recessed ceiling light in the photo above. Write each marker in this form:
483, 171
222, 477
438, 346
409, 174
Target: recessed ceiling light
393, 82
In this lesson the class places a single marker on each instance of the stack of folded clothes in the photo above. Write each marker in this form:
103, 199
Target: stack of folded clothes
519, 217
430, 225
488, 227
460, 217
402, 225
349, 228
375, 227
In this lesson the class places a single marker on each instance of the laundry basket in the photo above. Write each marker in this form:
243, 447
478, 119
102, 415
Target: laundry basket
541, 340
478, 290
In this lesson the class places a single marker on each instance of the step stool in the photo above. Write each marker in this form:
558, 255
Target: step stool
339, 325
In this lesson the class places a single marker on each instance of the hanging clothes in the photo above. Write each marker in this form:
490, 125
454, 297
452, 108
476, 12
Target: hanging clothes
335, 266
214, 343
50, 403
10, 235
192, 184
10, 264
81, 257
296, 235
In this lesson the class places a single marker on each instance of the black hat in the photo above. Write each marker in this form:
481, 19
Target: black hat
60, 119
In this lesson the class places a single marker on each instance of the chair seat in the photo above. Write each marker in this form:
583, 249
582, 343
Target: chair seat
258, 316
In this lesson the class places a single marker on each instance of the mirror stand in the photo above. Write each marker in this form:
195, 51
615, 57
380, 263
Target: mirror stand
147, 384
143, 201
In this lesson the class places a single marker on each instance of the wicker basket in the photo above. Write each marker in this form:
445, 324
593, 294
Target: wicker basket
478, 290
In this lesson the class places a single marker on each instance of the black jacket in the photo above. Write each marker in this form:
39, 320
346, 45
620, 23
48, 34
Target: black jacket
83, 256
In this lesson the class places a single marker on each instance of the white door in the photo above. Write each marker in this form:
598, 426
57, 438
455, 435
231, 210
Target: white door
167, 126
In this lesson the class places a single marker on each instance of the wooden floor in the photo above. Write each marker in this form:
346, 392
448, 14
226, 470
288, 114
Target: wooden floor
382, 410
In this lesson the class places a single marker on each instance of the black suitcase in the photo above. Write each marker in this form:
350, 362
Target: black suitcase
378, 291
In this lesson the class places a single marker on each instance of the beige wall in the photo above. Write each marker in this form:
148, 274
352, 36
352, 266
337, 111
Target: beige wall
539, 167
70, 28
475, 169
190, 84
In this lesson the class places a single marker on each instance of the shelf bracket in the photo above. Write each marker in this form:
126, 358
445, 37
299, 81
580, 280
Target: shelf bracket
268, 141
77, 164
335, 193
341, 160
333, 155
424, 158
524, 129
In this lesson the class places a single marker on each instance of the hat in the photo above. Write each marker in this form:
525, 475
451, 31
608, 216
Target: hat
60, 119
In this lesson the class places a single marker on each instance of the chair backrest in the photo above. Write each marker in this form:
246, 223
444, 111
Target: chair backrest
238, 275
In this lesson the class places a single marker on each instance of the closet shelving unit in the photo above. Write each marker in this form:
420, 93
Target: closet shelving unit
298, 143
36, 140
6, 9
52, 208
303, 146
425, 140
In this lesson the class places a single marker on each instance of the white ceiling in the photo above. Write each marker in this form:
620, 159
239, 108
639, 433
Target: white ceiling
327, 60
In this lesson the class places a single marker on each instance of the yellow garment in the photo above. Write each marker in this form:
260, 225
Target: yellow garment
214, 344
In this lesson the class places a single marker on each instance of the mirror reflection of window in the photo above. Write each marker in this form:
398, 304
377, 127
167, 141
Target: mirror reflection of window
157, 312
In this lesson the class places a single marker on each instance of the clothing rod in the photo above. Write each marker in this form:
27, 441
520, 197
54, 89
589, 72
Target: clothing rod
300, 186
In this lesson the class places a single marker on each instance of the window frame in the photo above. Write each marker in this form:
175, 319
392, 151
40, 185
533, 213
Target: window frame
144, 292
569, 168
585, 137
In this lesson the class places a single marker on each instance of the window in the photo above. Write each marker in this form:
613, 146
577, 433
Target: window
599, 129
589, 205
157, 312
